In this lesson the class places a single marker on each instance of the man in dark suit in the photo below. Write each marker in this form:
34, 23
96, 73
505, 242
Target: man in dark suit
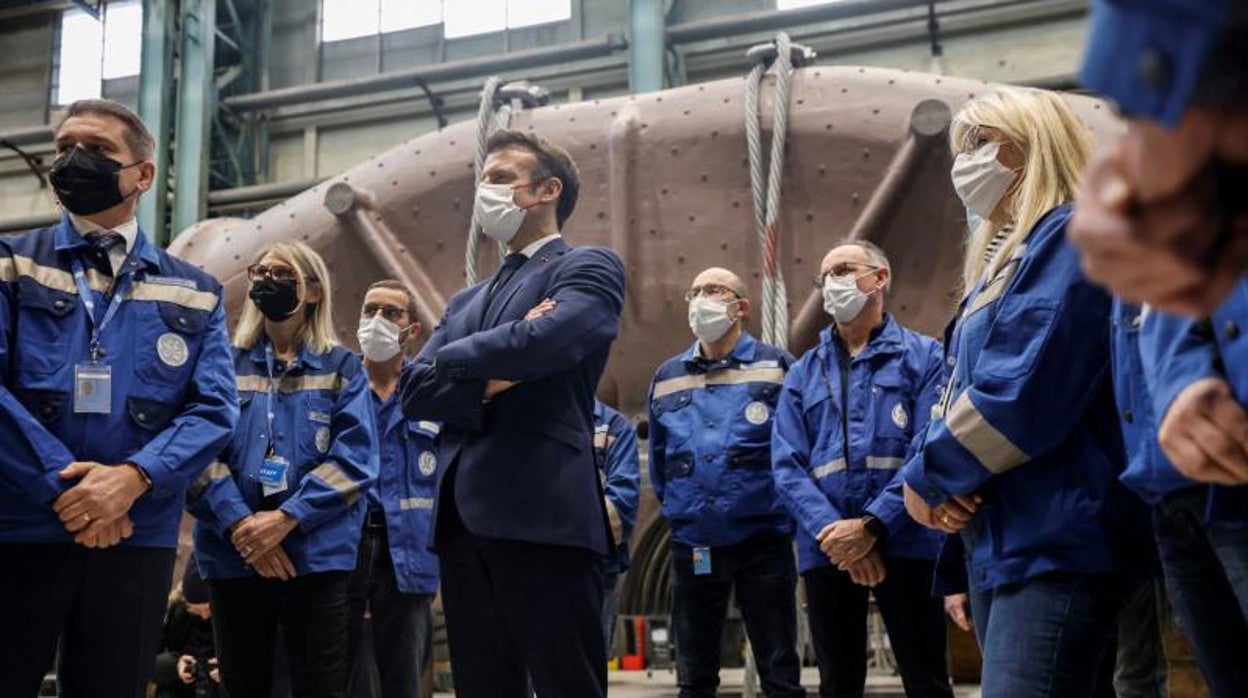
510, 371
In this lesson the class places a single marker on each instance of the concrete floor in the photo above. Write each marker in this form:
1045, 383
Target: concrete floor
635, 684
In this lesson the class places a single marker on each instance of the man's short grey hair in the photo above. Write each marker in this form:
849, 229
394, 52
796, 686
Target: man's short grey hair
875, 256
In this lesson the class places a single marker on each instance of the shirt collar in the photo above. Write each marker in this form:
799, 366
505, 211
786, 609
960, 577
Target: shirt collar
128, 231
70, 236
533, 247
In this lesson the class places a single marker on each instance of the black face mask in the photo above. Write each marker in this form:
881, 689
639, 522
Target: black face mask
86, 181
276, 299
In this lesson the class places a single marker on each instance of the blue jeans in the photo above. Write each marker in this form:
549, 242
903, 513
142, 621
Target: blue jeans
1048, 637
764, 574
1141, 670
1206, 568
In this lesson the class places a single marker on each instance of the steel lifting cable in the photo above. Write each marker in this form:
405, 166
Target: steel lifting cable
766, 191
488, 120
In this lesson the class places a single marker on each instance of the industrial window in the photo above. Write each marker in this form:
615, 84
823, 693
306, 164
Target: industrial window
92, 51
349, 19
795, 4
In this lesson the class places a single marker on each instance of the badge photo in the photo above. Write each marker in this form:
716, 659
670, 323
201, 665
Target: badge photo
428, 463
172, 349
757, 413
322, 439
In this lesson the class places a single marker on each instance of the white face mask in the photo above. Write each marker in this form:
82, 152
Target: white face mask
842, 299
709, 318
497, 212
379, 338
980, 180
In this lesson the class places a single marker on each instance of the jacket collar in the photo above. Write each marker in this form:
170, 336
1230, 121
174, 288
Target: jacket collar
885, 339
304, 357
742, 353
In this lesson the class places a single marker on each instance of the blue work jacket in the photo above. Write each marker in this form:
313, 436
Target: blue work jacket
1028, 420
710, 444
1175, 350
1149, 55
1149, 473
172, 404
405, 486
843, 429
323, 426
615, 449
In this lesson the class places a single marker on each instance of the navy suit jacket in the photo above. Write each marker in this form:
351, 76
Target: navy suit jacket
523, 462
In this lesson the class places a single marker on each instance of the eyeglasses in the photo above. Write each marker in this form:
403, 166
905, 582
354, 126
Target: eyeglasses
393, 313
710, 291
842, 269
274, 272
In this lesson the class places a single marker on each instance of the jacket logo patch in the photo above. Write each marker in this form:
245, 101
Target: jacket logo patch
428, 463
318, 417
757, 413
172, 349
322, 439
900, 418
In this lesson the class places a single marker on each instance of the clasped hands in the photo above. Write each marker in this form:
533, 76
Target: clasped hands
950, 516
850, 547
258, 538
96, 509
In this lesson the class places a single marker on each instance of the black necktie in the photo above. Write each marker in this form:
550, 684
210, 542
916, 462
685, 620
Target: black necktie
101, 243
511, 263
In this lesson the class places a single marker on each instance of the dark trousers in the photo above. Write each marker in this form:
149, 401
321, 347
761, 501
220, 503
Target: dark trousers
311, 611
400, 623
1049, 637
1206, 568
764, 575
516, 610
1140, 670
837, 609
105, 609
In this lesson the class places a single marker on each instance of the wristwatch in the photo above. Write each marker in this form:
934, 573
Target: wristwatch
875, 527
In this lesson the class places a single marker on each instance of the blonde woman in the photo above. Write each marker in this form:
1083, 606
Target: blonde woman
1024, 455
280, 514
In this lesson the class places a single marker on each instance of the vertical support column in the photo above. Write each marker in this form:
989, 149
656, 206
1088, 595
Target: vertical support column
197, 105
646, 45
156, 108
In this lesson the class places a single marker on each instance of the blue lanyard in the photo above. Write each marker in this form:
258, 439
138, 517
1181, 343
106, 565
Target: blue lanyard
118, 291
274, 384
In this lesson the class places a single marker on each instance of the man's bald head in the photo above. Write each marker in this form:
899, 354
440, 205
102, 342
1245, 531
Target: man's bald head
721, 277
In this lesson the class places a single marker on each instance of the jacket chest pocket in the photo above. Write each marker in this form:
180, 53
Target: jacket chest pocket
45, 329
313, 420
751, 423
673, 414
168, 342
892, 407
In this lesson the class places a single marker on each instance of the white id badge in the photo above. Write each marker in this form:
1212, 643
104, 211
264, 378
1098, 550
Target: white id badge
93, 388
272, 475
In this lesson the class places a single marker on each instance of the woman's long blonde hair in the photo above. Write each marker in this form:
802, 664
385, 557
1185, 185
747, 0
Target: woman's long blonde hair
1056, 146
317, 330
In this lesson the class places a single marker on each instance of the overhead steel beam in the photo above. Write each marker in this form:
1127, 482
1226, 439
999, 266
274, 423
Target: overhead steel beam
156, 107
197, 95
771, 20
646, 48
508, 63
29, 135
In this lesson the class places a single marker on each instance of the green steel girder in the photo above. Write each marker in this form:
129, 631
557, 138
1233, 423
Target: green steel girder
197, 105
156, 80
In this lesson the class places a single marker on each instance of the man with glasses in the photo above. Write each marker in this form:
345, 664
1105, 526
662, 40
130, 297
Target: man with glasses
710, 464
396, 576
845, 420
